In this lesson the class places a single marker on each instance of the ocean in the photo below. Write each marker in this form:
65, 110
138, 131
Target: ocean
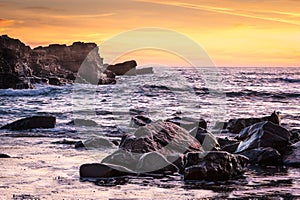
42, 169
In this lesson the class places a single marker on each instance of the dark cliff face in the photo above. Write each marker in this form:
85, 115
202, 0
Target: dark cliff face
60, 61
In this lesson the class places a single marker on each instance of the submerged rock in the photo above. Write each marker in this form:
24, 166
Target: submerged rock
293, 158
236, 125
263, 134
94, 143
214, 166
32, 123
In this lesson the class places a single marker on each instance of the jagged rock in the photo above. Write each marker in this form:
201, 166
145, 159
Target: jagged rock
55, 81
125, 68
214, 166
8, 80
2, 155
295, 136
293, 158
82, 122
163, 137
263, 134
32, 123
236, 125
263, 156
139, 120
107, 77
207, 140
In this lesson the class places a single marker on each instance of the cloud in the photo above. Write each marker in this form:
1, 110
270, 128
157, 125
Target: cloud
269, 15
6, 22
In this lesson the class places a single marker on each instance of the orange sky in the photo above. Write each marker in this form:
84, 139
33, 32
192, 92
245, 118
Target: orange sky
233, 32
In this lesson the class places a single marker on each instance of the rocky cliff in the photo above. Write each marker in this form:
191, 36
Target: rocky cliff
56, 64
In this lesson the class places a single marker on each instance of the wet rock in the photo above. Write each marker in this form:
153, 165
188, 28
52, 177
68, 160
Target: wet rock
293, 158
155, 163
263, 156
8, 80
64, 141
214, 166
55, 81
125, 68
295, 136
236, 125
94, 143
188, 123
207, 140
226, 141
263, 134
32, 123
163, 137
2, 155
107, 77
97, 170
139, 120
82, 122
230, 148
135, 111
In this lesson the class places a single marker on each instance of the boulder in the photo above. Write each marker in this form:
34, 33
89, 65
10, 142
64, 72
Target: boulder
214, 166
139, 120
236, 125
82, 122
263, 134
32, 123
263, 156
207, 140
163, 137
94, 143
125, 68
98, 170
293, 158
8, 80
295, 136
55, 81
107, 77
2, 155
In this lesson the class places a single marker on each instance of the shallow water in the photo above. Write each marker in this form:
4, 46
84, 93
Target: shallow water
44, 170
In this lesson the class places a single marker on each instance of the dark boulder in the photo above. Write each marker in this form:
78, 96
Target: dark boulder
32, 123
295, 136
263, 134
139, 120
107, 77
2, 155
8, 80
125, 68
293, 158
214, 166
82, 122
236, 125
97, 170
263, 156
163, 137
207, 140
55, 81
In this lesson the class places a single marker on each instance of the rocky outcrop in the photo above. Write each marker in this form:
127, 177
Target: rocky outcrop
214, 166
125, 68
59, 64
32, 123
236, 125
139, 120
2, 155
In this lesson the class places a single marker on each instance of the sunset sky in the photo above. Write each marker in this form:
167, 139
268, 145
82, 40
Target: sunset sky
233, 32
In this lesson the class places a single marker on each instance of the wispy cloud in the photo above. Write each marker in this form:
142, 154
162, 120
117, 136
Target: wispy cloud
6, 22
276, 16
